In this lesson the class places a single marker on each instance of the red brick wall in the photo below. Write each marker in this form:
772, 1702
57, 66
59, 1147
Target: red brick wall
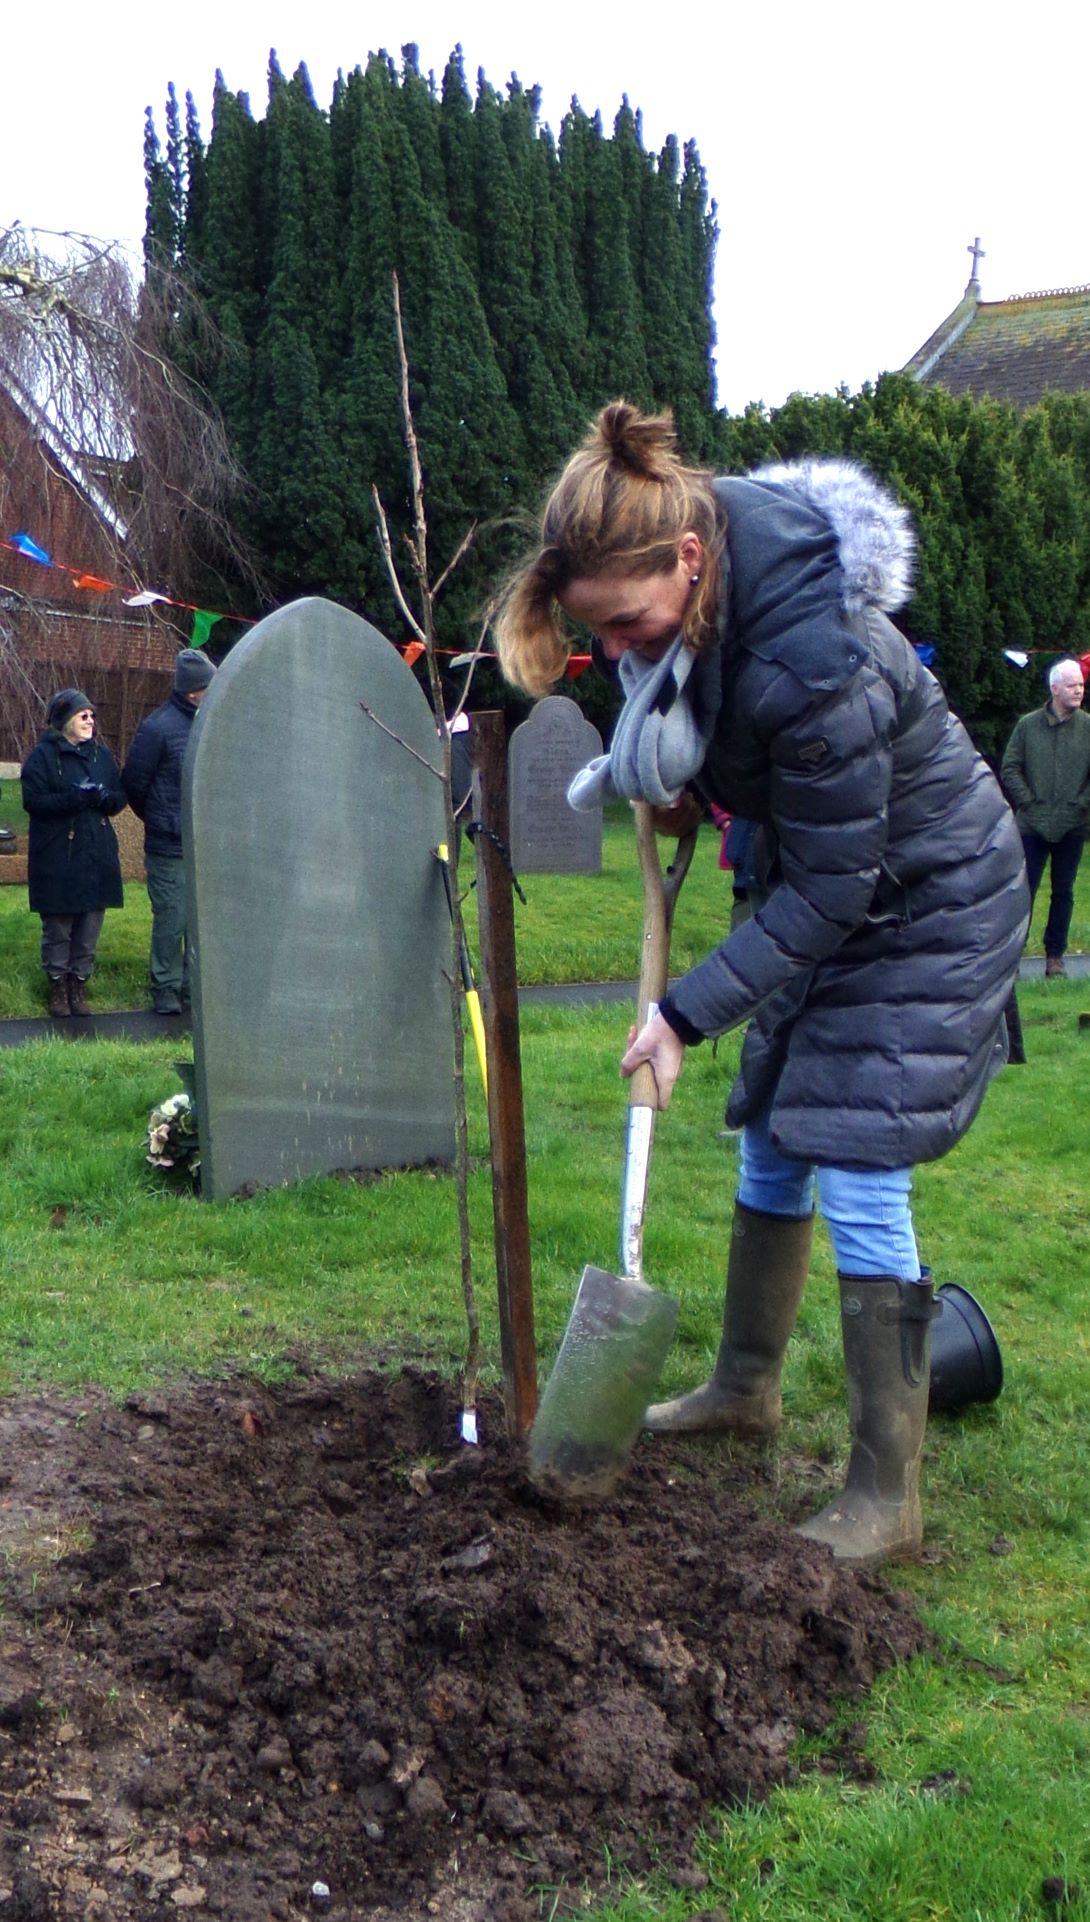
53, 634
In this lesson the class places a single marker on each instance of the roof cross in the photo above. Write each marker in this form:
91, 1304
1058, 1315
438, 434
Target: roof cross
978, 253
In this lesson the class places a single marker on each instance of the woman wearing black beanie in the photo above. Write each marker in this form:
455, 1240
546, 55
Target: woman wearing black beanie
71, 786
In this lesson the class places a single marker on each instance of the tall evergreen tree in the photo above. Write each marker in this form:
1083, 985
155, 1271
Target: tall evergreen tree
699, 237
161, 220
366, 404
572, 215
503, 244
417, 104
458, 147
524, 297
196, 198
230, 262
614, 310
557, 369
300, 496
662, 283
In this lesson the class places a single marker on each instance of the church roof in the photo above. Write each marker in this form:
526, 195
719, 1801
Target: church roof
1014, 350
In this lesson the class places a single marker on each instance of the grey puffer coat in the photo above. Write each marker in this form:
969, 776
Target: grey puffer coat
877, 972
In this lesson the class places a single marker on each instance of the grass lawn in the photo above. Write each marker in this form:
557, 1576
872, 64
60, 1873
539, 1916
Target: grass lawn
570, 928
11, 809
982, 1752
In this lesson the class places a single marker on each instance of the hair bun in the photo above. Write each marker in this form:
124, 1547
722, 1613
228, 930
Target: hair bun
644, 443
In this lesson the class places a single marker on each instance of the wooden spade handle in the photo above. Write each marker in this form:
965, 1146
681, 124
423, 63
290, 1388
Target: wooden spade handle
659, 900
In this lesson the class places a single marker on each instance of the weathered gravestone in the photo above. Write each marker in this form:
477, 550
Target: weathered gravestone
547, 836
321, 1012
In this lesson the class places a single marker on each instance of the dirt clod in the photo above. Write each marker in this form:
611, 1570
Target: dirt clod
1058, 1893
282, 1669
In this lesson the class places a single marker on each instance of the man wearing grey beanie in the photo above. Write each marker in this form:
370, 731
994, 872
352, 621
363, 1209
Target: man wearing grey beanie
152, 779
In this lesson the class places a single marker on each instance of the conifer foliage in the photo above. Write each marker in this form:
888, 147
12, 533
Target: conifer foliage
538, 278
1001, 503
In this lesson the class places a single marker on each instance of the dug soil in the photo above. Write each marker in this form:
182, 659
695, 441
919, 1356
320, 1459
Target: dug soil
272, 1653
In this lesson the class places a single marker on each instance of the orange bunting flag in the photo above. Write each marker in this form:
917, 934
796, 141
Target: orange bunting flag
413, 652
577, 664
92, 581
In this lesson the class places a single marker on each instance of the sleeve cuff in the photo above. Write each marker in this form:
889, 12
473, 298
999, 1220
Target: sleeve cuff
682, 1028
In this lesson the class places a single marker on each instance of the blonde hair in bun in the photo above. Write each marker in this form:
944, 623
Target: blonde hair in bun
624, 501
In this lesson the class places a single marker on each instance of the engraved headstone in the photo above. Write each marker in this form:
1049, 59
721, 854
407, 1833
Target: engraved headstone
546, 751
321, 1011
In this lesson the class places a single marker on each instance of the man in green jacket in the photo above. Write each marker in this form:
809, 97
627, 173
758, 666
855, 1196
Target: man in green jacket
1046, 772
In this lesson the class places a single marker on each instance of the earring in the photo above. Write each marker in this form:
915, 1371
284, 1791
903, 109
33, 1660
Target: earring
694, 580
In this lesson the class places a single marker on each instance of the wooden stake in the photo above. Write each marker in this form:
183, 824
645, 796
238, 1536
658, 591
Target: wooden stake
499, 978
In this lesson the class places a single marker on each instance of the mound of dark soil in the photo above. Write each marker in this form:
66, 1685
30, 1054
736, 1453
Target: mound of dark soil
304, 1652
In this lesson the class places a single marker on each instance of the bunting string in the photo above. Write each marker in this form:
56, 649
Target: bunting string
1022, 656
205, 619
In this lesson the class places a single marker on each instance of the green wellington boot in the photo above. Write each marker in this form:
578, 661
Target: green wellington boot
887, 1354
766, 1274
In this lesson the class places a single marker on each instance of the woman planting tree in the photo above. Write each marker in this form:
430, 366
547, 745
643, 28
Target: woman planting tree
746, 621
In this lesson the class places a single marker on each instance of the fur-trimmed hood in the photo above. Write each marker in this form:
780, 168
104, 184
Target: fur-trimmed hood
808, 543
874, 533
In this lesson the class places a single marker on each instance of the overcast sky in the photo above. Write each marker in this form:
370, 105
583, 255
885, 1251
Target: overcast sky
854, 150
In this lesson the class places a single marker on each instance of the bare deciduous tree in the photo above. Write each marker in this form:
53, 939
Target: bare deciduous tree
89, 400
424, 629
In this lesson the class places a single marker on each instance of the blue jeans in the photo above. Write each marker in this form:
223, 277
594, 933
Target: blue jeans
866, 1209
1065, 856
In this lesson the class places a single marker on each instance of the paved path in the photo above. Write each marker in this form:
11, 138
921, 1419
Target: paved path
139, 1024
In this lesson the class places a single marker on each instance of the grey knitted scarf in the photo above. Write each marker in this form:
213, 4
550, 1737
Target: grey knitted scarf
662, 732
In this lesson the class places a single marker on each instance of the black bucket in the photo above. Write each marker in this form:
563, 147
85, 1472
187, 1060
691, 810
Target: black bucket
966, 1364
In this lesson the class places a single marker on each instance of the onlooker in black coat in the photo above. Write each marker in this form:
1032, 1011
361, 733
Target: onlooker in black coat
71, 786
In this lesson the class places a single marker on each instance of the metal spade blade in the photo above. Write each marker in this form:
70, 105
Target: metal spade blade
619, 1329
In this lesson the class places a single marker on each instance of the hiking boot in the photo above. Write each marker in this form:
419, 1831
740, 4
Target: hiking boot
766, 1274
77, 996
58, 998
886, 1326
1054, 965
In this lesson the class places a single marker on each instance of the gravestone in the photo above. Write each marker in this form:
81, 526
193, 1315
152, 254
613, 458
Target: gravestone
321, 1012
546, 751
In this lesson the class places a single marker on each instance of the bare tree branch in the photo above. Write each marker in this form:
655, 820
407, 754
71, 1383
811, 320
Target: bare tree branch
394, 736
459, 554
91, 405
83, 354
419, 541
391, 566
463, 698
424, 629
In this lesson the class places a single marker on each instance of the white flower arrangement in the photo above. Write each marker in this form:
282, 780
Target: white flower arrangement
172, 1139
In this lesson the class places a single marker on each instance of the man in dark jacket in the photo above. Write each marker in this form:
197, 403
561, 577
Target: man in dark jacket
1046, 772
152, 778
